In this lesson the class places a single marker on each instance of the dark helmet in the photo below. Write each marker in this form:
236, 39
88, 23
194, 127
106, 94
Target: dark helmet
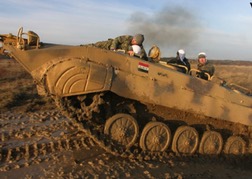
139, 39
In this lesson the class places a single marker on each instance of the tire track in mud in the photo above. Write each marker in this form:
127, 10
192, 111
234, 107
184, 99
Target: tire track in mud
32, 138
105, 165
73, 155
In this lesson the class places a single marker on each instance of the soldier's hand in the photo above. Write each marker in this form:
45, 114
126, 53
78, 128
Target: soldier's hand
131, 53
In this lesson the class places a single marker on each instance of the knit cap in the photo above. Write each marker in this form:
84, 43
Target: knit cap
139, 39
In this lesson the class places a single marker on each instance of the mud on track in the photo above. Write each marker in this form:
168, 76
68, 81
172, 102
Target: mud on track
47, 145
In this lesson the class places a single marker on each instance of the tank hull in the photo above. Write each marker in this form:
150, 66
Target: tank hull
87, 69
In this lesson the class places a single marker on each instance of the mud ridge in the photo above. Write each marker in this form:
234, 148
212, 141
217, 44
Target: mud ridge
37, 138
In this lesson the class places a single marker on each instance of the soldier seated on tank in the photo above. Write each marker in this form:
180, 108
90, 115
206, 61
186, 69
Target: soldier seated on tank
205, 68
180, 61
124, 43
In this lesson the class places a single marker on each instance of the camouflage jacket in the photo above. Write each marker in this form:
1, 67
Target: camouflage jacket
208, 68
122, 42
104, 44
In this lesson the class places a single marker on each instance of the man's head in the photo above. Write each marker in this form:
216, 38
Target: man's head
202, 58
137, 39
181, 54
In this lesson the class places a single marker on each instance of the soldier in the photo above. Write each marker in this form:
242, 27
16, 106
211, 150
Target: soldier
204, 67
180, 59
125, 43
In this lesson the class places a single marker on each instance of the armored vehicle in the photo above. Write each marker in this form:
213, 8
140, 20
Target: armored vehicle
132, 107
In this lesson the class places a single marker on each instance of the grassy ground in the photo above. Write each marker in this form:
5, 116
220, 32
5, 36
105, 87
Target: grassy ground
18, 90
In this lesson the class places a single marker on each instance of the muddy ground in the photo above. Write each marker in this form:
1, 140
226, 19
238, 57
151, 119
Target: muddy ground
37, 141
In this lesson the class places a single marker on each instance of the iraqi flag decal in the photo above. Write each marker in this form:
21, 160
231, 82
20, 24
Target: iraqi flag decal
144, 67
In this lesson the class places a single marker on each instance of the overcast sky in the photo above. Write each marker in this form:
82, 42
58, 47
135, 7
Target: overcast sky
220, 28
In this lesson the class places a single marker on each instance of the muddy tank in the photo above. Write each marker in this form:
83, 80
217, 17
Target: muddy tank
132, 107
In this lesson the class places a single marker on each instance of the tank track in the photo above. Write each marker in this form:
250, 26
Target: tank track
28, 139
91, 122
98, 107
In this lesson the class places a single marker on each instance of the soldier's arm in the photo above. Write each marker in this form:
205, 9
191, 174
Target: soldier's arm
173, 60
143, 54
116, 42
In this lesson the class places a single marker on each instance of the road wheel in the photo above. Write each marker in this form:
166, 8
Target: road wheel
156, 136
235, 145
211, 143
122, 128
186, 140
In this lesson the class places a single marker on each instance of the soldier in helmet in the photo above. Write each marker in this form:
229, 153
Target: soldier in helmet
125, 43
206, 69
181, 60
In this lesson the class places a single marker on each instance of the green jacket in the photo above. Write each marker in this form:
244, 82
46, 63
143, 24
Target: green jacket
208, 68
121, 42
